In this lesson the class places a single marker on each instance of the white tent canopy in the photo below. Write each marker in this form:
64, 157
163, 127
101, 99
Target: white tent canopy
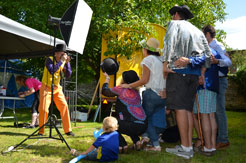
20, 41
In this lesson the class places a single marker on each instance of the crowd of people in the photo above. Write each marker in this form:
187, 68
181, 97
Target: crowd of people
192, 64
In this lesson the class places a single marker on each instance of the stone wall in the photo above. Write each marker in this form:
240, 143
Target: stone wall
234, 101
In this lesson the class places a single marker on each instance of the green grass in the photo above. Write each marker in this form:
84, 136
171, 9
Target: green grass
50, 150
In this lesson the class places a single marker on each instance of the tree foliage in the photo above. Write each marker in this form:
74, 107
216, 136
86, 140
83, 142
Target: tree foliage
111, 16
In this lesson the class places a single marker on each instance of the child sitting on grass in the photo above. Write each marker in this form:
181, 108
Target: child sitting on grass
107, 145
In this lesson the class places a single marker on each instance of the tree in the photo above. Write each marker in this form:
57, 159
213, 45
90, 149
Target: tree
111, 16
34, 13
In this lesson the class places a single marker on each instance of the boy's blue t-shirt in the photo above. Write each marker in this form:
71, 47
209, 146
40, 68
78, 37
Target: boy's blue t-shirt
108, 145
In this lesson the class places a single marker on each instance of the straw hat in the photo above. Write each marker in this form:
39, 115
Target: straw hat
152, 44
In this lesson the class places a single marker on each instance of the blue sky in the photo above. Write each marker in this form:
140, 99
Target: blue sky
235, 8
235, 24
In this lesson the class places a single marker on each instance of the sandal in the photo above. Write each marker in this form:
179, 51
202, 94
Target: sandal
144, 140
138, 146
197, 149
125, 149
198, 142
197, 146
153, 149
120, 150
201, 151
74, 152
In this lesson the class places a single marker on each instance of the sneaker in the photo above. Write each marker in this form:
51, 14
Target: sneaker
179, 151
153, 148
192, 153
70, 133
161, 140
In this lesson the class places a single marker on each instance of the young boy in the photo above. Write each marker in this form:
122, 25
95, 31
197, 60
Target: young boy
107, 145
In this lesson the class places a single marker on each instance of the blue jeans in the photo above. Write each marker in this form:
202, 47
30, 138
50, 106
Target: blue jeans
152, 103
221, 112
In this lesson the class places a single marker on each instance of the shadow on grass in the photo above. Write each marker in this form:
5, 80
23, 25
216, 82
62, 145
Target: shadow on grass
13, 134
48, 150
8, 126
84, 136
20, 125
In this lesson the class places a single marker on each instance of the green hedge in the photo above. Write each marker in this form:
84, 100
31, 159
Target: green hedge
240, 80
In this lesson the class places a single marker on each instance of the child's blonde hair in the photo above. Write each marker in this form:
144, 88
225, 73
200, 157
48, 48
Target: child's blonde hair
110, 124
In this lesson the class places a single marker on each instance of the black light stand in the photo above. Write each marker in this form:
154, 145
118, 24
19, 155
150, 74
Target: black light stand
51, 121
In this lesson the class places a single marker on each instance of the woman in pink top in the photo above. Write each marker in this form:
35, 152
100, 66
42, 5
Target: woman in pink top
33, 86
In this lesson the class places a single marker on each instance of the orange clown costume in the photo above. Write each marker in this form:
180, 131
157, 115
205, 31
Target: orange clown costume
61, 65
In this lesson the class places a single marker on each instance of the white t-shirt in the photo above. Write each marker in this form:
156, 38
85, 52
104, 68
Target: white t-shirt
156, 81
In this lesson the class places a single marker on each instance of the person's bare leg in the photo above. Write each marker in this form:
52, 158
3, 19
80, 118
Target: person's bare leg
34, 118
196, 126
214, 129
190, 127
37, 121
206, 130
182, 121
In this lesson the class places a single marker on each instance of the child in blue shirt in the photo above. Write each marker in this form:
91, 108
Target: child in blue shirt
106, 145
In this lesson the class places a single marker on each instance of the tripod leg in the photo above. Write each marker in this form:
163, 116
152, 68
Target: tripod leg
60, 135
27, 138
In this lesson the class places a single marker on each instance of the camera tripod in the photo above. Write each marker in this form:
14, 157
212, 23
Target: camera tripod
51, 122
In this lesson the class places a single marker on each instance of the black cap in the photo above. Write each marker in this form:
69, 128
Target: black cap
130, 76
110, 66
